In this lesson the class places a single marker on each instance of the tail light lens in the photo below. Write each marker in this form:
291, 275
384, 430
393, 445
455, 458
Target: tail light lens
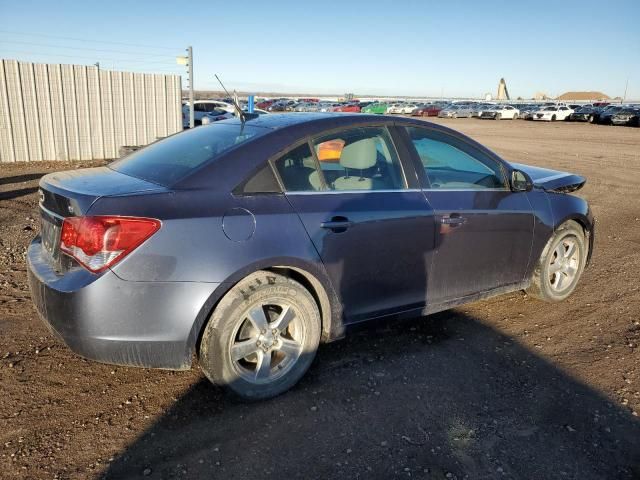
102, 241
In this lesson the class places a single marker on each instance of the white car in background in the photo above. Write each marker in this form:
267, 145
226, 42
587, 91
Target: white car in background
394, 108
553, 113
407, 108
401, 108
202, 108
498, 112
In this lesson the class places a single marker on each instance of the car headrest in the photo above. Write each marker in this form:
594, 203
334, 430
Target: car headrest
359, 155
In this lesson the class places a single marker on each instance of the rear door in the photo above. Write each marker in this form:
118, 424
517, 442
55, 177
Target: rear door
373, 232
484, 230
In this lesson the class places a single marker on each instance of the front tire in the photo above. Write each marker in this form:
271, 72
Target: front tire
560, 265
262, 337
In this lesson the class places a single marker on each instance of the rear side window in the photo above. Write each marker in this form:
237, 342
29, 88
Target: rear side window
297, 170
169, 160
359, 159
451, 165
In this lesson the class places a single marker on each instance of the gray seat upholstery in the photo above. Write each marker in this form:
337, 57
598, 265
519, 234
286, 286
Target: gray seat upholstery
358, 156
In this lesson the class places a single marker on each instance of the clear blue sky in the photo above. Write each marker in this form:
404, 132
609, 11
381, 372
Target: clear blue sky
459, 48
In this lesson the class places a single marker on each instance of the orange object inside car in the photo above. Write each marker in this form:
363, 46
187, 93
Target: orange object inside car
330, 150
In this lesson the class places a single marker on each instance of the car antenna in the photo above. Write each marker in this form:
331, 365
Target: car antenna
234, 99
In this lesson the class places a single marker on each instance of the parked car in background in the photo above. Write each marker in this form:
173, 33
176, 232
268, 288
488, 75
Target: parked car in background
605, 116
584, 113
349, 107
527, 112
215, 116
265, 104
376, 108
429, 110
627, 116
277, 107
455, 111
232, 243
202, 108
395, 108
499, 112
405, 108
478, 108
306, 107
328, 106
553, 113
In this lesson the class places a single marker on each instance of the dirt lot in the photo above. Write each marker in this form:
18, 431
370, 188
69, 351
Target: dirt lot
505, 388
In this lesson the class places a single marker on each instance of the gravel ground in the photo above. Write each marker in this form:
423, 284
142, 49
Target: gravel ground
505, 388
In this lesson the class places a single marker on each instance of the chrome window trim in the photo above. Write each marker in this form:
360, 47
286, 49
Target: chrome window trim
337, 192
466, 190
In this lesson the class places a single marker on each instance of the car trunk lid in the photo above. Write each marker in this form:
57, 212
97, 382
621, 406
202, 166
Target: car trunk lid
71, 193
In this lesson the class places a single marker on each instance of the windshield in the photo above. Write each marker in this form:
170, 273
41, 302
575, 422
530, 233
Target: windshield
169, 160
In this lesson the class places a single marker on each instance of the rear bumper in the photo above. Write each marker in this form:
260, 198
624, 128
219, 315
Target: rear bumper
110, 320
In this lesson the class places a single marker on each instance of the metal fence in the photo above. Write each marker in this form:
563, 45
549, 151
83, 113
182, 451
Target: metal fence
78, 112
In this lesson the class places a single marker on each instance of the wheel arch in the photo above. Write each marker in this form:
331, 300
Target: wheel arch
311, 276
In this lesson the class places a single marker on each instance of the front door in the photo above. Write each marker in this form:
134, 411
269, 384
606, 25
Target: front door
375, 236
484, 230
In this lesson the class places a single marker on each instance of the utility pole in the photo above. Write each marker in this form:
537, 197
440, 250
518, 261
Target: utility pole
624, 98
190, 70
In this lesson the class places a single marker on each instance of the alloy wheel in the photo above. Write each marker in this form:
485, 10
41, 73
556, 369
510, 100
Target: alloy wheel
564, 264
267, 343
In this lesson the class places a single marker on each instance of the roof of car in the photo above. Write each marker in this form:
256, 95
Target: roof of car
325, 119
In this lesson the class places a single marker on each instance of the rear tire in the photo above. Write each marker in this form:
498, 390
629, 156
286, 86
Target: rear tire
553, 118
560, 265
262, 337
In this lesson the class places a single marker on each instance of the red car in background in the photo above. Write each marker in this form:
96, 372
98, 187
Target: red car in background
427, 111
351, 107
265, 104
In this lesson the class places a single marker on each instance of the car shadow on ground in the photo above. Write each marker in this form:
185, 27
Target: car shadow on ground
18, 192
27, 177
439, 397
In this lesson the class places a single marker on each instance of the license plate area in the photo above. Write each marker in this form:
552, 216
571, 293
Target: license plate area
50, 234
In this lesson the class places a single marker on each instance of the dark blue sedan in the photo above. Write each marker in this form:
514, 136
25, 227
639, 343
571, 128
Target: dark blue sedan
247, 243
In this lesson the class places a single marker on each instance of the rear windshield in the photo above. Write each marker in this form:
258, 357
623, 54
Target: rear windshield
169, 160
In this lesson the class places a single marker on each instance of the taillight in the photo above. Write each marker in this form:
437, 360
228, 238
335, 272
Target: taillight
100, 242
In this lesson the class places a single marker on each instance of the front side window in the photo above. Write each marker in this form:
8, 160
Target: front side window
359, 159
452, 165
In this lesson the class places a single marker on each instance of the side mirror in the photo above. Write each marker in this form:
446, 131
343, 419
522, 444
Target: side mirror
520, 181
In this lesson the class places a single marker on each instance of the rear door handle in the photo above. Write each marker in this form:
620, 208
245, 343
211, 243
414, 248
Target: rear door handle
337, 224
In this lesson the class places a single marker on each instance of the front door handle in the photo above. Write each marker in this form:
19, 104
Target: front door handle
337, 224
452, 220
